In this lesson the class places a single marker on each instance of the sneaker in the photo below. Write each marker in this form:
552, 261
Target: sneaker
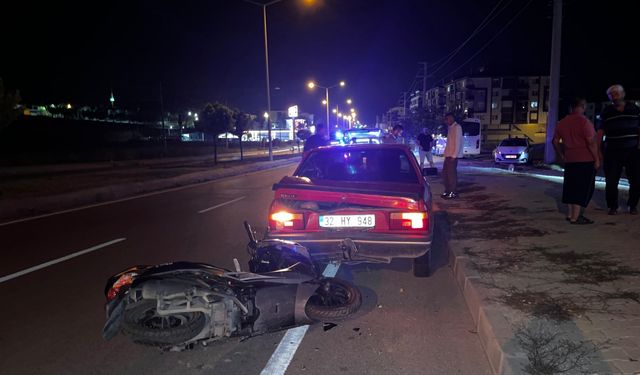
451, 195
582, 221
612, 211
633, 211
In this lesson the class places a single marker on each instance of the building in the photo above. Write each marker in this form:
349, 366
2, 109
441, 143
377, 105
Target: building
506, 106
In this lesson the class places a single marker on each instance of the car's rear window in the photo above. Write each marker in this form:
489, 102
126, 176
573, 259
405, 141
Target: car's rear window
387, 165
514, 142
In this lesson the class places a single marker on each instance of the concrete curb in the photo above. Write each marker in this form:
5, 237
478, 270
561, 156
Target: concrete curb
22, 208
493, 330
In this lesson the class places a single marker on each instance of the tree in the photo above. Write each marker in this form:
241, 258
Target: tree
8, 104
216, 119
243, 121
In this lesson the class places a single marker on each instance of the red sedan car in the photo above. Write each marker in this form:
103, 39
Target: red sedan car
368, 202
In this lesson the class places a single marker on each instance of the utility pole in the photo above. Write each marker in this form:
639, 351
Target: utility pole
554, 88
404, 105
424, 82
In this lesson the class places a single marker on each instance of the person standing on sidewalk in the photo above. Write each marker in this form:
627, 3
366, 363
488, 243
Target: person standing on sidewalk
452, 152
425, 142
619, 142
575, 142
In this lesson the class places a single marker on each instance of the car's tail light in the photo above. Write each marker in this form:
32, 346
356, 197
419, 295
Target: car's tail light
123, 281
286, 220
408, 220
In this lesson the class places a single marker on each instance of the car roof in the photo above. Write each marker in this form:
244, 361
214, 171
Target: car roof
363, 146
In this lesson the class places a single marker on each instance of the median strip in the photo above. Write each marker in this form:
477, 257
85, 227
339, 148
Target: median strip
59, 260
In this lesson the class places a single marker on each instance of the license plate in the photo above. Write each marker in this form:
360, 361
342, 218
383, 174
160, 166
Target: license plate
347, 221
511, 156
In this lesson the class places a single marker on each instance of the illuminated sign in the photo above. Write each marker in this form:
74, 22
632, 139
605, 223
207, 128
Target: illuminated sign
293, 111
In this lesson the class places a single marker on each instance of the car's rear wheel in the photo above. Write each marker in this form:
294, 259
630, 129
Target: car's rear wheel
422, 265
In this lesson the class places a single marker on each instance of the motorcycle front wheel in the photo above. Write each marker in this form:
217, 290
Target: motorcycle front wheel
334, 300
145, 326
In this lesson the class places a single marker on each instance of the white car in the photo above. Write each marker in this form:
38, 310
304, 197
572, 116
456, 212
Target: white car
512, 151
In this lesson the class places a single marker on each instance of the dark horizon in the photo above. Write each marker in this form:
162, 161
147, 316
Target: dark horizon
205, 52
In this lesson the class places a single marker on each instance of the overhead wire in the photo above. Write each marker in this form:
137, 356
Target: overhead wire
513, 18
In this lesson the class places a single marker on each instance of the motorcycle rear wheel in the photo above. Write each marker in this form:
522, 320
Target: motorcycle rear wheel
335, 299
143, 324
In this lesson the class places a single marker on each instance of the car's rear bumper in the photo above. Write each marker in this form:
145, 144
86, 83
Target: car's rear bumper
359, 247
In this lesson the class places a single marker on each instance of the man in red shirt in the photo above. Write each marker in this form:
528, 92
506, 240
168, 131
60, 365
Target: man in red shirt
575, 143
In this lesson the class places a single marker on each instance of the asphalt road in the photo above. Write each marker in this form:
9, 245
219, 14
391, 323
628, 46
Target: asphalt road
51, 318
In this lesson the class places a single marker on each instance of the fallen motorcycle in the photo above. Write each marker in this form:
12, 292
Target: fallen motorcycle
177, 305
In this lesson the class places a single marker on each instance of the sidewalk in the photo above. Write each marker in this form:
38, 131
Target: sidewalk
547, 297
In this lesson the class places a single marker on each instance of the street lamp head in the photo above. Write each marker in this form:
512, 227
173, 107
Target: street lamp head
339, 114
311, 84
266, 115
342, 83
324, 102
348, 101
352, 110
334, 110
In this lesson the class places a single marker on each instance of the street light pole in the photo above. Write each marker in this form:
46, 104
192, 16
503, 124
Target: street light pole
312, 85
266, 58
326, 89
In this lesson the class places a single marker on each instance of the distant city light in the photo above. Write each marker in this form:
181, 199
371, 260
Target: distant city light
189, 113
68, 106
324, 102
266, 115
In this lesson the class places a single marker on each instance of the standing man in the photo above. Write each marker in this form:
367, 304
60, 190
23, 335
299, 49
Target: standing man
395, 136
317, 139
575, 142
425, 140
618, 139
452, 152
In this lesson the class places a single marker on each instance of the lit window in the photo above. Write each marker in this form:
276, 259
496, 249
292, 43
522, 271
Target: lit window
534, 104
494, 105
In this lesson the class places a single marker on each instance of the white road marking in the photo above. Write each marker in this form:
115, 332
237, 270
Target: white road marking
59, 260
221, 204
281, 358
138, 196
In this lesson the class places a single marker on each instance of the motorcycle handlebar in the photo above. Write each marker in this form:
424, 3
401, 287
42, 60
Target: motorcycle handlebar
252, 237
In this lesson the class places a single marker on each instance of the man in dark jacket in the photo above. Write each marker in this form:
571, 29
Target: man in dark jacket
619, 141
426, 142
318, 139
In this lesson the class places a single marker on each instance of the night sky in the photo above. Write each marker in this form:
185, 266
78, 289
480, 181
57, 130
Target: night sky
203, 51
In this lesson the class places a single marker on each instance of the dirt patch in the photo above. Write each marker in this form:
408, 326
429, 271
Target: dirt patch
542, 305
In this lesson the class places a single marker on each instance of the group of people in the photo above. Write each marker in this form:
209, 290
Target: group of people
615, 145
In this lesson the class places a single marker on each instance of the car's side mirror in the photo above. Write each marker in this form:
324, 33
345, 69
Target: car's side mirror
430, 171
